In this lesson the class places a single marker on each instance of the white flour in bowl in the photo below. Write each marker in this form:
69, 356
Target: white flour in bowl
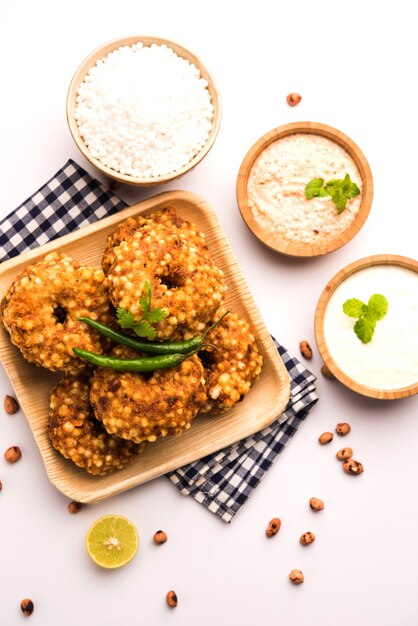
276, 186
144, 111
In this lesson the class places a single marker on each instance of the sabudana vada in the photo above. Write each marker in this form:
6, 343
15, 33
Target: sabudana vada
40, 311
78, 436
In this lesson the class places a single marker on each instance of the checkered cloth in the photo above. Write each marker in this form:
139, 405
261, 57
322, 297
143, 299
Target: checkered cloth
223, 481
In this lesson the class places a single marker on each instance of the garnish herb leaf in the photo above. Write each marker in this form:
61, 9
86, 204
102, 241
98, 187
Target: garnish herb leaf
125, 318
145, 330
367, 314
364, 329
143, 327
339, 189
154, 316
377, 306
354, 307
315, 189
145, 299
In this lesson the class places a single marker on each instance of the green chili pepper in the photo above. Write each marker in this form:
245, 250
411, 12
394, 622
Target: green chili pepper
147, 364
183, 347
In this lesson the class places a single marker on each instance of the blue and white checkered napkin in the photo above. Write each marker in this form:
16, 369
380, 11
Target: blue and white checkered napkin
223, 481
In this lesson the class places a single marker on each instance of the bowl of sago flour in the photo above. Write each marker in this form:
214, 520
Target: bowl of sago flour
143, 110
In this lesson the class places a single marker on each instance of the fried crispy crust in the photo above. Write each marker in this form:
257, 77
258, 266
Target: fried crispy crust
143, 407
78, 436
233, 367
41, 308
167, 217
185, 281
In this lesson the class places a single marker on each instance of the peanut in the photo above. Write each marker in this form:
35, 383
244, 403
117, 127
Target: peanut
171, 598
27, 607
305, 349
342, 429
325, 438
296, 577
160, 537
316, 504
293, 99
10, 405
326, 372
353, 467
12, 454
273, 527
74, 507
307, 538
344, 454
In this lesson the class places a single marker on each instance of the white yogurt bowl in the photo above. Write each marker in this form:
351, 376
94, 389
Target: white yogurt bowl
387, 366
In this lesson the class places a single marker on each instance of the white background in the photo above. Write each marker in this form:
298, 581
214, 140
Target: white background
356, 66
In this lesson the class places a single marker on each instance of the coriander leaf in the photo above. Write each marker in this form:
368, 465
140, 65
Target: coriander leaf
377, 307
144, 329
142, 326
364, 329
145, 299
154, 316
315, 189
354, 307
143, 303
125, 318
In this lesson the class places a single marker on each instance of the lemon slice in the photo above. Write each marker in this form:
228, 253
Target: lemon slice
112, 541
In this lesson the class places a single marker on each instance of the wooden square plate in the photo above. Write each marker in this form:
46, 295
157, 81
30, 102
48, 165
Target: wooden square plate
209, 433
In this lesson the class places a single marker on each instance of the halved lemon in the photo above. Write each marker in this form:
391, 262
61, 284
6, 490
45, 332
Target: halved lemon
112, 541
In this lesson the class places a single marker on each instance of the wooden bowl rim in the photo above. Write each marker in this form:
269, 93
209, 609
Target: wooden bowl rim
301, 249
348, 270
99, 53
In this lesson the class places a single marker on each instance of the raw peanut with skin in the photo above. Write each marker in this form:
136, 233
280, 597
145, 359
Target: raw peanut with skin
160, 537
11, 405
171, 598
296, 577
12, 454
305, 349
273, 527
353, 467
27, 607
74, 507
1, 485
342, 429
307, 538
344, 454
326, 372
293, 99
325, 438
316, 504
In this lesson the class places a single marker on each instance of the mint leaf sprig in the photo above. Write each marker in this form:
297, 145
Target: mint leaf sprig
340, 190
144, 326
367, 314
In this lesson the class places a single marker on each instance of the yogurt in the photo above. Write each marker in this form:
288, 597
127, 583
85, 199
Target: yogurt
390, 360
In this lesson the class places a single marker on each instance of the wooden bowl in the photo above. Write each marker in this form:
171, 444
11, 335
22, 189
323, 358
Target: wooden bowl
272, 240
101, 52
371, 392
